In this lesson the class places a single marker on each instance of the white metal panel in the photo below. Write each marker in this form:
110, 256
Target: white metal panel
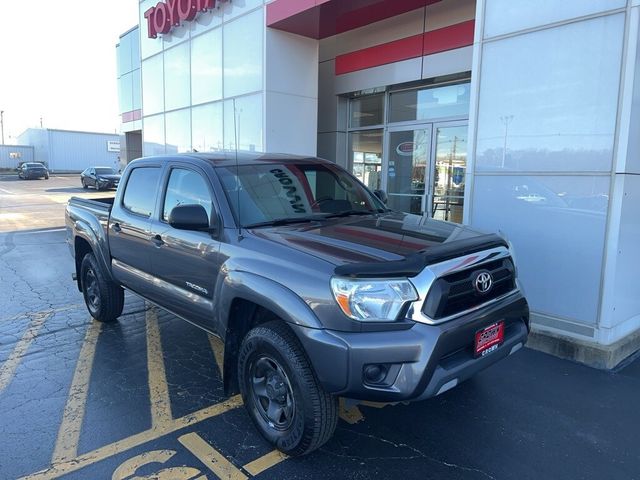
506, 16
291, 63
630, 117
291, 125
384, 31
621, 295
557, 226
445, 63
390, 74
74, 151
449, 12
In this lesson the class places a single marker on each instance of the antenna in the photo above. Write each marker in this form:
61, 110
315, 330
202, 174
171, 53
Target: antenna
235, 134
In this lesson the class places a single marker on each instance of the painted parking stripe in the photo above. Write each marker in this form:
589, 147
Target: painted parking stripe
115, 448
214, 460
8, 368
69, 433
265, 462
158, 388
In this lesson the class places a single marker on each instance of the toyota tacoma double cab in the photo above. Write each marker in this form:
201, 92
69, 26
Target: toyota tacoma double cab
315, 287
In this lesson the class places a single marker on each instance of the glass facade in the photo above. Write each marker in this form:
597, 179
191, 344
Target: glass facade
192, 76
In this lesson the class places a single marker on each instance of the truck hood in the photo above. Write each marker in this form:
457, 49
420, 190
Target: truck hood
375, 238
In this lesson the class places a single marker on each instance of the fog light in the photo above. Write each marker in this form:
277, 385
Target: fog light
375, 373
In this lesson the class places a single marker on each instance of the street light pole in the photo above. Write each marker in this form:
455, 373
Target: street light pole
2, 125
506, 120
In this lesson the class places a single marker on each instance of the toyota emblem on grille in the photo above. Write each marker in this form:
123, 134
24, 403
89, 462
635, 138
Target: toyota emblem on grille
483, 282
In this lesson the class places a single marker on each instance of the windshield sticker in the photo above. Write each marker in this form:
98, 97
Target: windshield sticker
290, 189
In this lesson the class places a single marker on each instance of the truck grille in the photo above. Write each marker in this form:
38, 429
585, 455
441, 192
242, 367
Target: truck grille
455, 293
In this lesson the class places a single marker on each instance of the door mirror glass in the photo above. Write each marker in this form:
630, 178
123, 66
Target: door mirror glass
189, 217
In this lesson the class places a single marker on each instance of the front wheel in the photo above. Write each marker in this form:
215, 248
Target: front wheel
281, 392
104, 299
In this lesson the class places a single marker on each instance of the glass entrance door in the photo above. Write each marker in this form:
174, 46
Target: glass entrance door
450, 157
408, 168
425, 169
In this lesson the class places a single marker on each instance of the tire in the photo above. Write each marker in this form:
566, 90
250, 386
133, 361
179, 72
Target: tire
304, 416
46, 177
84, 185
103, 298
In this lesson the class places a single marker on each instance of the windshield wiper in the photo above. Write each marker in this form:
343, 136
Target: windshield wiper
282, 221
348, 213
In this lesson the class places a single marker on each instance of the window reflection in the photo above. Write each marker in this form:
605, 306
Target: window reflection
366, 157
248, 123
243, 54
153, 133
544, 108
206, 67
429, 103
152, 85
449, 173
176, 77
367, 111
178, 131
207, 132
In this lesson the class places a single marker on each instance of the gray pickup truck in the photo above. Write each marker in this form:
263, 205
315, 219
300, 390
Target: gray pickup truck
316, 288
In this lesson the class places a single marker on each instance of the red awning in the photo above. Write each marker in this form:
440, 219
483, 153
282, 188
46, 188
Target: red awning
324, 18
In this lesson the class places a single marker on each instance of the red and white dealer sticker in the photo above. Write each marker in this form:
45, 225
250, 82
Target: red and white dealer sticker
489, 339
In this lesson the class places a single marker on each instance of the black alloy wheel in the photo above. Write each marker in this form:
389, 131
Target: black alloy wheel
272, 392
104, 298
281, 392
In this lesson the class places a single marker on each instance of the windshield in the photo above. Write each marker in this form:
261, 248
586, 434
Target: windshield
294, 191
105, 171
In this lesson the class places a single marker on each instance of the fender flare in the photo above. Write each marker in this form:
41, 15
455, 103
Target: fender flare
266, 293
98, 243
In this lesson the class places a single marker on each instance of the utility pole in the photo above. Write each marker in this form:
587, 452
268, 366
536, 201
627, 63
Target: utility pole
2, 125
40, 122
506, 120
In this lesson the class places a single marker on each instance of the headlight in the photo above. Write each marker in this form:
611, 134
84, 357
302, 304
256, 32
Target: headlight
373, 300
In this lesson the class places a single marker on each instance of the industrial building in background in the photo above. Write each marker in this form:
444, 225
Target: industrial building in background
520, 117
62, 151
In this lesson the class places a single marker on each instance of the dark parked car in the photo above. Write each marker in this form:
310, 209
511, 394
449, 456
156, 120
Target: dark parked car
100, 177
27, 171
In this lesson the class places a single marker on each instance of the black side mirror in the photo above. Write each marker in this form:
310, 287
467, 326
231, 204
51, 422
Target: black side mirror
189, 217
382, 195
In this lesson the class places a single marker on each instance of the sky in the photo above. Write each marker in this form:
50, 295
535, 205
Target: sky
58, 62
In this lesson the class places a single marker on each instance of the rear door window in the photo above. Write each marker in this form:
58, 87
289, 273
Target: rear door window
186, 187
139, 194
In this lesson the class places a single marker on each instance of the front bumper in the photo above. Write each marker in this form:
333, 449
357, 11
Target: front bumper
421, 361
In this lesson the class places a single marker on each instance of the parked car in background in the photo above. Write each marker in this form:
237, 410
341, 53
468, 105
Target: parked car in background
100, 177
30, 170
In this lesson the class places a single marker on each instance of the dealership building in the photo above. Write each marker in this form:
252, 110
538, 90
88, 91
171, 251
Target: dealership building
511, 116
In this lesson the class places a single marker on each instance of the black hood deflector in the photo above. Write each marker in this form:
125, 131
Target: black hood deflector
414, 263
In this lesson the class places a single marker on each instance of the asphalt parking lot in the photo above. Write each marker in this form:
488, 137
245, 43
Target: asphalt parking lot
142, 398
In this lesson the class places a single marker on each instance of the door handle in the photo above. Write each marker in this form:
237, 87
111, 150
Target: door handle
116, 227
157, 240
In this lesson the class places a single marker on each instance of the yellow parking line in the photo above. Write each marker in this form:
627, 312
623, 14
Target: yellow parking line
8, 368
43, 312
115, 448
265, 462
218, 352
69, 433
214, 460
158, 389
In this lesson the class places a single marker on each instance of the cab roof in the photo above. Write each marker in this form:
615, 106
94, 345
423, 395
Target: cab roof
228, 158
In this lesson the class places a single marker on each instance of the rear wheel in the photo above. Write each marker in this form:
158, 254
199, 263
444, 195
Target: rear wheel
281, 392
104, 299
